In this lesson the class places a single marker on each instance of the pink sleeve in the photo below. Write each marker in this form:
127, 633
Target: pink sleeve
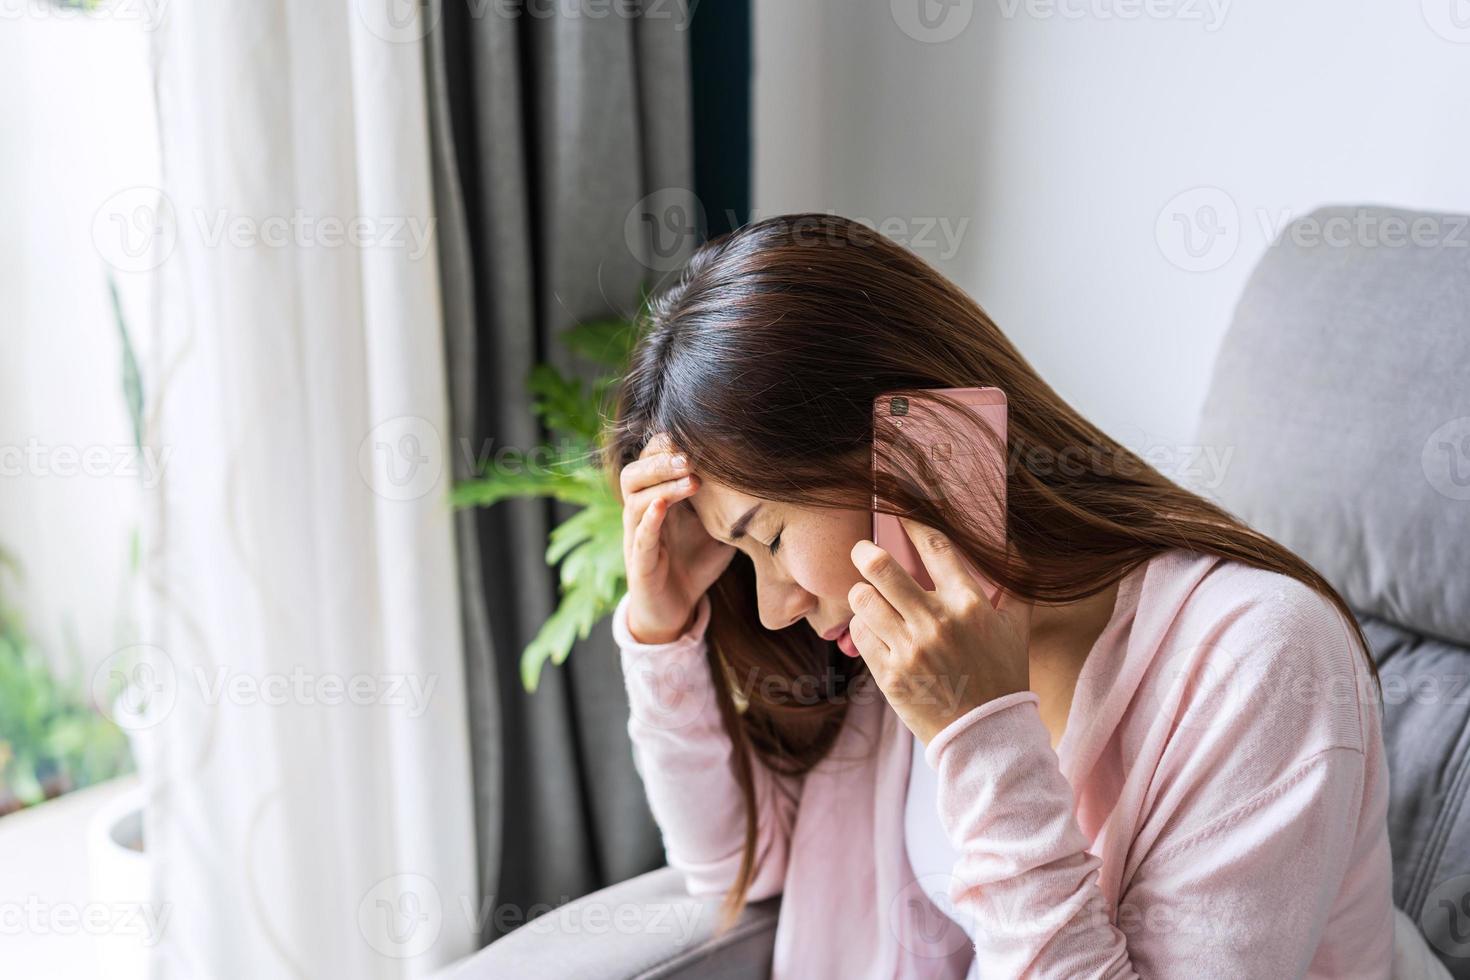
1245, 893
685, 759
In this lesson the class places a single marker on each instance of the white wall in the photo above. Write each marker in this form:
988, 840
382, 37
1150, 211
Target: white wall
1057, 134
76, 126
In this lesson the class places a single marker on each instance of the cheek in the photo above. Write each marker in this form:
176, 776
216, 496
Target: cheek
825, 568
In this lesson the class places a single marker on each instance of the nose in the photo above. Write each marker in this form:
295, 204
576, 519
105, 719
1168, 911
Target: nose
781, 602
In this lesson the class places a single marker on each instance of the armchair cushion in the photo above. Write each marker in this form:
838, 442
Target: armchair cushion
648, 927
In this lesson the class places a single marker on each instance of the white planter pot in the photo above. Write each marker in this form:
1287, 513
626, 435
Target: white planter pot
120, 880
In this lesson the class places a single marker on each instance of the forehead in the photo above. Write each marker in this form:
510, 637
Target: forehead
718, 506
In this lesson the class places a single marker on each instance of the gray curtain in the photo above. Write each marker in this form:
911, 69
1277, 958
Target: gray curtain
549, 135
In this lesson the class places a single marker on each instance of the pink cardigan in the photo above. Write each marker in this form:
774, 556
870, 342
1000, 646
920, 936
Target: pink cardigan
1216, 807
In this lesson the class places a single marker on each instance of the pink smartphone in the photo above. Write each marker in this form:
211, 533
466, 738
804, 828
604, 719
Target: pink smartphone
967, 467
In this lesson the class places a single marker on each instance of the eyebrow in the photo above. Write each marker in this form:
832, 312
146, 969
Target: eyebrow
737, 530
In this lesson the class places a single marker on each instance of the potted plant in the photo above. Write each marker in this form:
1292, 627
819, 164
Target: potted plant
588, 545
119, 876
52, 740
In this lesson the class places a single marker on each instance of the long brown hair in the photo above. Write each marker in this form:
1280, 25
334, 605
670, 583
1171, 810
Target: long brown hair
762, 361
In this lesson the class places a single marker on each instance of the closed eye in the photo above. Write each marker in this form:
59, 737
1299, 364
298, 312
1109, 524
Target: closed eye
776, 541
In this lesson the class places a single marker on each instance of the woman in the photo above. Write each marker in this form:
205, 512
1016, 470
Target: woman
1158, 753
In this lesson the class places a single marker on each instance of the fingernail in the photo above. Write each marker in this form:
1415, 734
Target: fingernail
680, 462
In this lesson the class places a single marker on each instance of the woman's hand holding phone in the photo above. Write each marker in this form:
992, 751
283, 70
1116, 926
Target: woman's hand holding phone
951, 640
671, 560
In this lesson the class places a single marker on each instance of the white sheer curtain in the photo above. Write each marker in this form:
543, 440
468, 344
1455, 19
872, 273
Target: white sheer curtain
305, 747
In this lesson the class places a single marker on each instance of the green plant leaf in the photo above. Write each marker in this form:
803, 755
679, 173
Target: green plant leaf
587, 548
48, 727
520, 482
23, 781
585, 525
608, 342
572, 620
565, 408
132, 378
598, 561
589, 545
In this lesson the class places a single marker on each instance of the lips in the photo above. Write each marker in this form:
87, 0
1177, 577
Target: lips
842, 638
835, 632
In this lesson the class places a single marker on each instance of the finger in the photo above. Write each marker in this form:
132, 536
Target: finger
940, 557
1016, 610
870, 645
643, 561
661, 442
651, 469
671, 492
890, 578
875, 614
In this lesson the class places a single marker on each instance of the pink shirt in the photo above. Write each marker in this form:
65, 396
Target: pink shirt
1216, 806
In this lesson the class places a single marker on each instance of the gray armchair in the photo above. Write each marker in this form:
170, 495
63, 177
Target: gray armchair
664, 933
1343, 387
